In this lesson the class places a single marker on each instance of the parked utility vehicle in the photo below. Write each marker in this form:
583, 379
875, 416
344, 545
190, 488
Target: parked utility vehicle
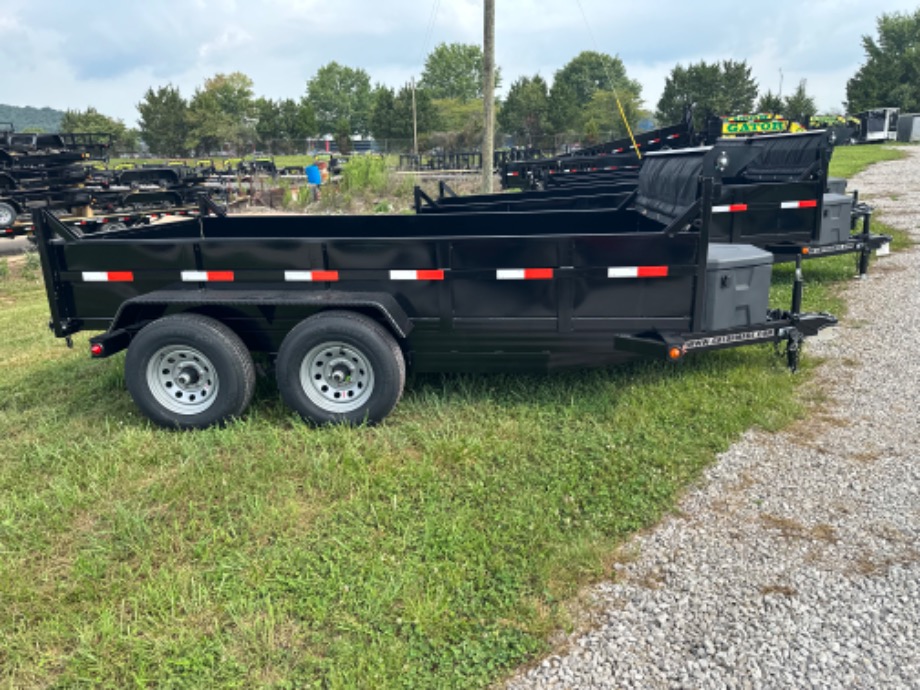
348, 304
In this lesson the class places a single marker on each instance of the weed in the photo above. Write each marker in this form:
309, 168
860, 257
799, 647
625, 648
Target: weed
32, 265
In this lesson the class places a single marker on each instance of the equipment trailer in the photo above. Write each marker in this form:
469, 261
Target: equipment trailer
347, 303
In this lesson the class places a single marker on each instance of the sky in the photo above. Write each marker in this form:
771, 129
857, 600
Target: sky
106, 53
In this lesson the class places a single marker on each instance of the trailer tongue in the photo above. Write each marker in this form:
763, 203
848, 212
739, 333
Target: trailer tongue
348, 303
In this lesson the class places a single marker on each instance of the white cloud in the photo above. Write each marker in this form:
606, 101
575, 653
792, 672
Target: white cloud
107, 53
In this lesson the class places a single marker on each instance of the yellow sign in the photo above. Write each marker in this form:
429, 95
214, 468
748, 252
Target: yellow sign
754, 127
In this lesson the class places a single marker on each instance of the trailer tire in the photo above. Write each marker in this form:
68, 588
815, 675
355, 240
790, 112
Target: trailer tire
340, 367
7, 215
175, 363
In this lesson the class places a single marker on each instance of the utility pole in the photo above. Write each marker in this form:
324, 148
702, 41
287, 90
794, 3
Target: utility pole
414, 121
488, 95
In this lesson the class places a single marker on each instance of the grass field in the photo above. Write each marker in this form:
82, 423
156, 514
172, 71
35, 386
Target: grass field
438, 550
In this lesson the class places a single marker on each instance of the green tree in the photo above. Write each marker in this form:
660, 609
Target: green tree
590, 71
91, 120
426, 113
525, 111
222, 112
268, 123
454, 115
799, 107
164, 121
454, 70
720, 88
232, 93
298, 121
770, 103
383, 114
28, 118
890, 76
604, 112
564, 112
576, 83
340, 94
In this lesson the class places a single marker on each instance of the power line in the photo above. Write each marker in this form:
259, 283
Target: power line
613, 86
432, 19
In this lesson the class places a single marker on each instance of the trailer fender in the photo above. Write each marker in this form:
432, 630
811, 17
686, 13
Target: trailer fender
383, 305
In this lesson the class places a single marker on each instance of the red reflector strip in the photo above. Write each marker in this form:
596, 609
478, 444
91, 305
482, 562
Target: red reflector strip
108, 276
207, 276
524, 274
417, 275
731, 208
514, 174
808, 203
618, 151
654, 141
311, 276
673, 136
637, 272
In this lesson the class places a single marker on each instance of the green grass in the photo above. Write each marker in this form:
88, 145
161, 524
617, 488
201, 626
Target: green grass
436, 551
849, 160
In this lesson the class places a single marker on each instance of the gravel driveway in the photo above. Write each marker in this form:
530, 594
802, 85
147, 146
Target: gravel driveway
796, 562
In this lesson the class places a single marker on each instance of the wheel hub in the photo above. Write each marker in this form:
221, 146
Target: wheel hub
182, 379
337, 377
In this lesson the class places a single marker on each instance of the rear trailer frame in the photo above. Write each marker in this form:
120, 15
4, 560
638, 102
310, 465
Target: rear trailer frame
348, 303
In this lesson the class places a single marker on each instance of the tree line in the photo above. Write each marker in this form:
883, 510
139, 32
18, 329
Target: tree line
588, 98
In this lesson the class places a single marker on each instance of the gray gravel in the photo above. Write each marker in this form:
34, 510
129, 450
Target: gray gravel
795, 562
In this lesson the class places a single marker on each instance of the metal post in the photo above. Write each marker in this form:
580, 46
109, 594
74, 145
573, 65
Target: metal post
797, 287
488, 95
414, 121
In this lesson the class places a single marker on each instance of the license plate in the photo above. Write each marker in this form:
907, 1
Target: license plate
884, 250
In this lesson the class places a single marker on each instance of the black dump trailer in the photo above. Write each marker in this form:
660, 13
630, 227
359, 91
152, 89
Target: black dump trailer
771, 191
612, 159
346, 304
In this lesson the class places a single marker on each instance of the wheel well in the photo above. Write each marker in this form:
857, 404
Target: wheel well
259, 326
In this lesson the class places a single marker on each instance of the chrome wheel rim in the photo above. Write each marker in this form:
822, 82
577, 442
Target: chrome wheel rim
337, 377
182, 379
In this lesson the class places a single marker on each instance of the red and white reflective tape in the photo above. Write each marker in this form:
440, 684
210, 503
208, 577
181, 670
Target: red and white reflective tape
620, 150
108, 276
731, 208
524, 274
808, 203
514, 174
207, 276
435, 274
673, 136
637, 272
311, 276
653, 141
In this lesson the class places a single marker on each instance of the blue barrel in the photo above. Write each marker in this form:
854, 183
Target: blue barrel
313, 175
